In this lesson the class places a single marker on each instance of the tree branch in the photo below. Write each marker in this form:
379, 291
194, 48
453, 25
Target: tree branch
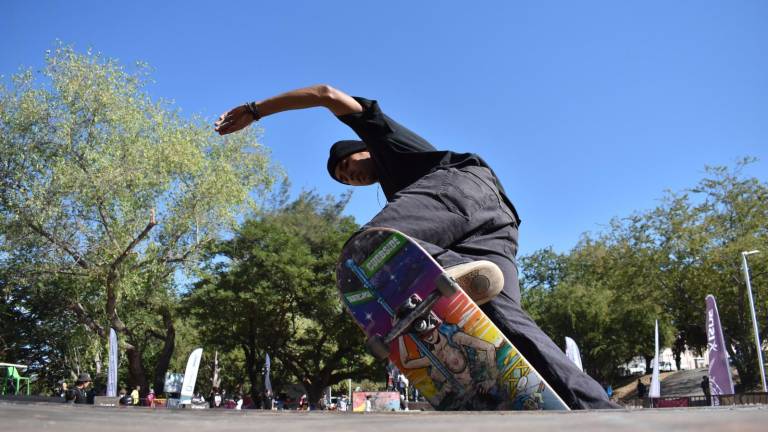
79, 260
103, 219
57, 272
154, 333
112, 277
183, 257
291, 362
85, 318
135, 241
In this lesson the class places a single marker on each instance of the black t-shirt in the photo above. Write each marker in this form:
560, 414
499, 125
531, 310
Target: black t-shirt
77, 395
402, 157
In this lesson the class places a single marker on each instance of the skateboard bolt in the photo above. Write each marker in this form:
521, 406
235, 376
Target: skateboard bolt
420, 325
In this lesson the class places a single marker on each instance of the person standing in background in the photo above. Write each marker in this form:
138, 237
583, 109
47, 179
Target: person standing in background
135, 395
79, 394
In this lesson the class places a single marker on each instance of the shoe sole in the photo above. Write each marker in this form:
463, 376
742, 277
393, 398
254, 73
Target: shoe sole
481, 280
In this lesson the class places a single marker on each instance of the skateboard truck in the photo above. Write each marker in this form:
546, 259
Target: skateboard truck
415, 314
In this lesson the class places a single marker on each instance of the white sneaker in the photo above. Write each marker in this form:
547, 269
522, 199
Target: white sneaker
481, 280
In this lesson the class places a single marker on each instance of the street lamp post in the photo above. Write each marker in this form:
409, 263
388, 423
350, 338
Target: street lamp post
745, 268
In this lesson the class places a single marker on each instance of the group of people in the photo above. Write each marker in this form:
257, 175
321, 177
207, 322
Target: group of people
134, 399
83, 392
220, 399
397, 381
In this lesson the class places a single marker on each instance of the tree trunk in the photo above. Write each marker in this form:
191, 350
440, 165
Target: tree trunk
136, 374
678, 348
165, 355
316, 385
253, 374
314, 393
97, 361
216, 379
744, 358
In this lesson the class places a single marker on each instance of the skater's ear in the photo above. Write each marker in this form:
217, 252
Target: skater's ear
339, 151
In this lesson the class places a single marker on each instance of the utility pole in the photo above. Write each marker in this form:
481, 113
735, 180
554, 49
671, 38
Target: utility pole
745, 268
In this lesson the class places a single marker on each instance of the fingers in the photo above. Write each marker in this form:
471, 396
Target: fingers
232, 120
222, 128
223, 121
224, 124
217, 124
231, 125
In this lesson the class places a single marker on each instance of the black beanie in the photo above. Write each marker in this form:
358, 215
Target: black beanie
339, 151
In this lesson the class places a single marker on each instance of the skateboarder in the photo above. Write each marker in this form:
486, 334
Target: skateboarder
451, 203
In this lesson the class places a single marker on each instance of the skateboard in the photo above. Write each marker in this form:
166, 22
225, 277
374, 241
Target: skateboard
417, 317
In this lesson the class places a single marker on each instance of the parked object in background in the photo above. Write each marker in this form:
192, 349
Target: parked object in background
13, 381
106, 401
125, 398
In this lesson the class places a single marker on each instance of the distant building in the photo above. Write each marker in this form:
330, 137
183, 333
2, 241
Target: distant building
688, 360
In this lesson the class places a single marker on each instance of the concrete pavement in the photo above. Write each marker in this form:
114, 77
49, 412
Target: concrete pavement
21, 417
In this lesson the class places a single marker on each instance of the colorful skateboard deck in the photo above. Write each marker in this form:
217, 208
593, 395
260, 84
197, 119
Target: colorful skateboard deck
420, 319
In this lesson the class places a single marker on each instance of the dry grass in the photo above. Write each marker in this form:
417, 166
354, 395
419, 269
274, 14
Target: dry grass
629, 391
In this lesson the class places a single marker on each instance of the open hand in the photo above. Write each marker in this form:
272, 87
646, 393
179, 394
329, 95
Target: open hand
486, 386
233, 120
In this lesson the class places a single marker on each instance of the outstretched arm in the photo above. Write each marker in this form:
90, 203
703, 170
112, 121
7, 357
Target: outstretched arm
420, 362
338, 102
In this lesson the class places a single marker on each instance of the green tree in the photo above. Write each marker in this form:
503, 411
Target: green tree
660, 264
701, 234
597, 295
34, 332
117, 193
273, 291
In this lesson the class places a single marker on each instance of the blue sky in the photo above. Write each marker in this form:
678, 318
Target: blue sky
586, 110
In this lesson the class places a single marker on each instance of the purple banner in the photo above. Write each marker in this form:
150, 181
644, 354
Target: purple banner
720, 382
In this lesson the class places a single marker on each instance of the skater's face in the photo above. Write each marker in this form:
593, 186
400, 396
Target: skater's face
432, 337
357, 169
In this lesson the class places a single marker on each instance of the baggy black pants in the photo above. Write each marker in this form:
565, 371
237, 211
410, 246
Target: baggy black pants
458, 216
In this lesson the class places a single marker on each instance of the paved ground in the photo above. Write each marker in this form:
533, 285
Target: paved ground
18, 417
683, 383
679, 383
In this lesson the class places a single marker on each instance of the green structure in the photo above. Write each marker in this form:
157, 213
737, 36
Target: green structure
12, 379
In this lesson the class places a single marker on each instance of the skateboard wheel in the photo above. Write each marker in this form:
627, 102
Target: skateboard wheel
376, 346
446, 285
